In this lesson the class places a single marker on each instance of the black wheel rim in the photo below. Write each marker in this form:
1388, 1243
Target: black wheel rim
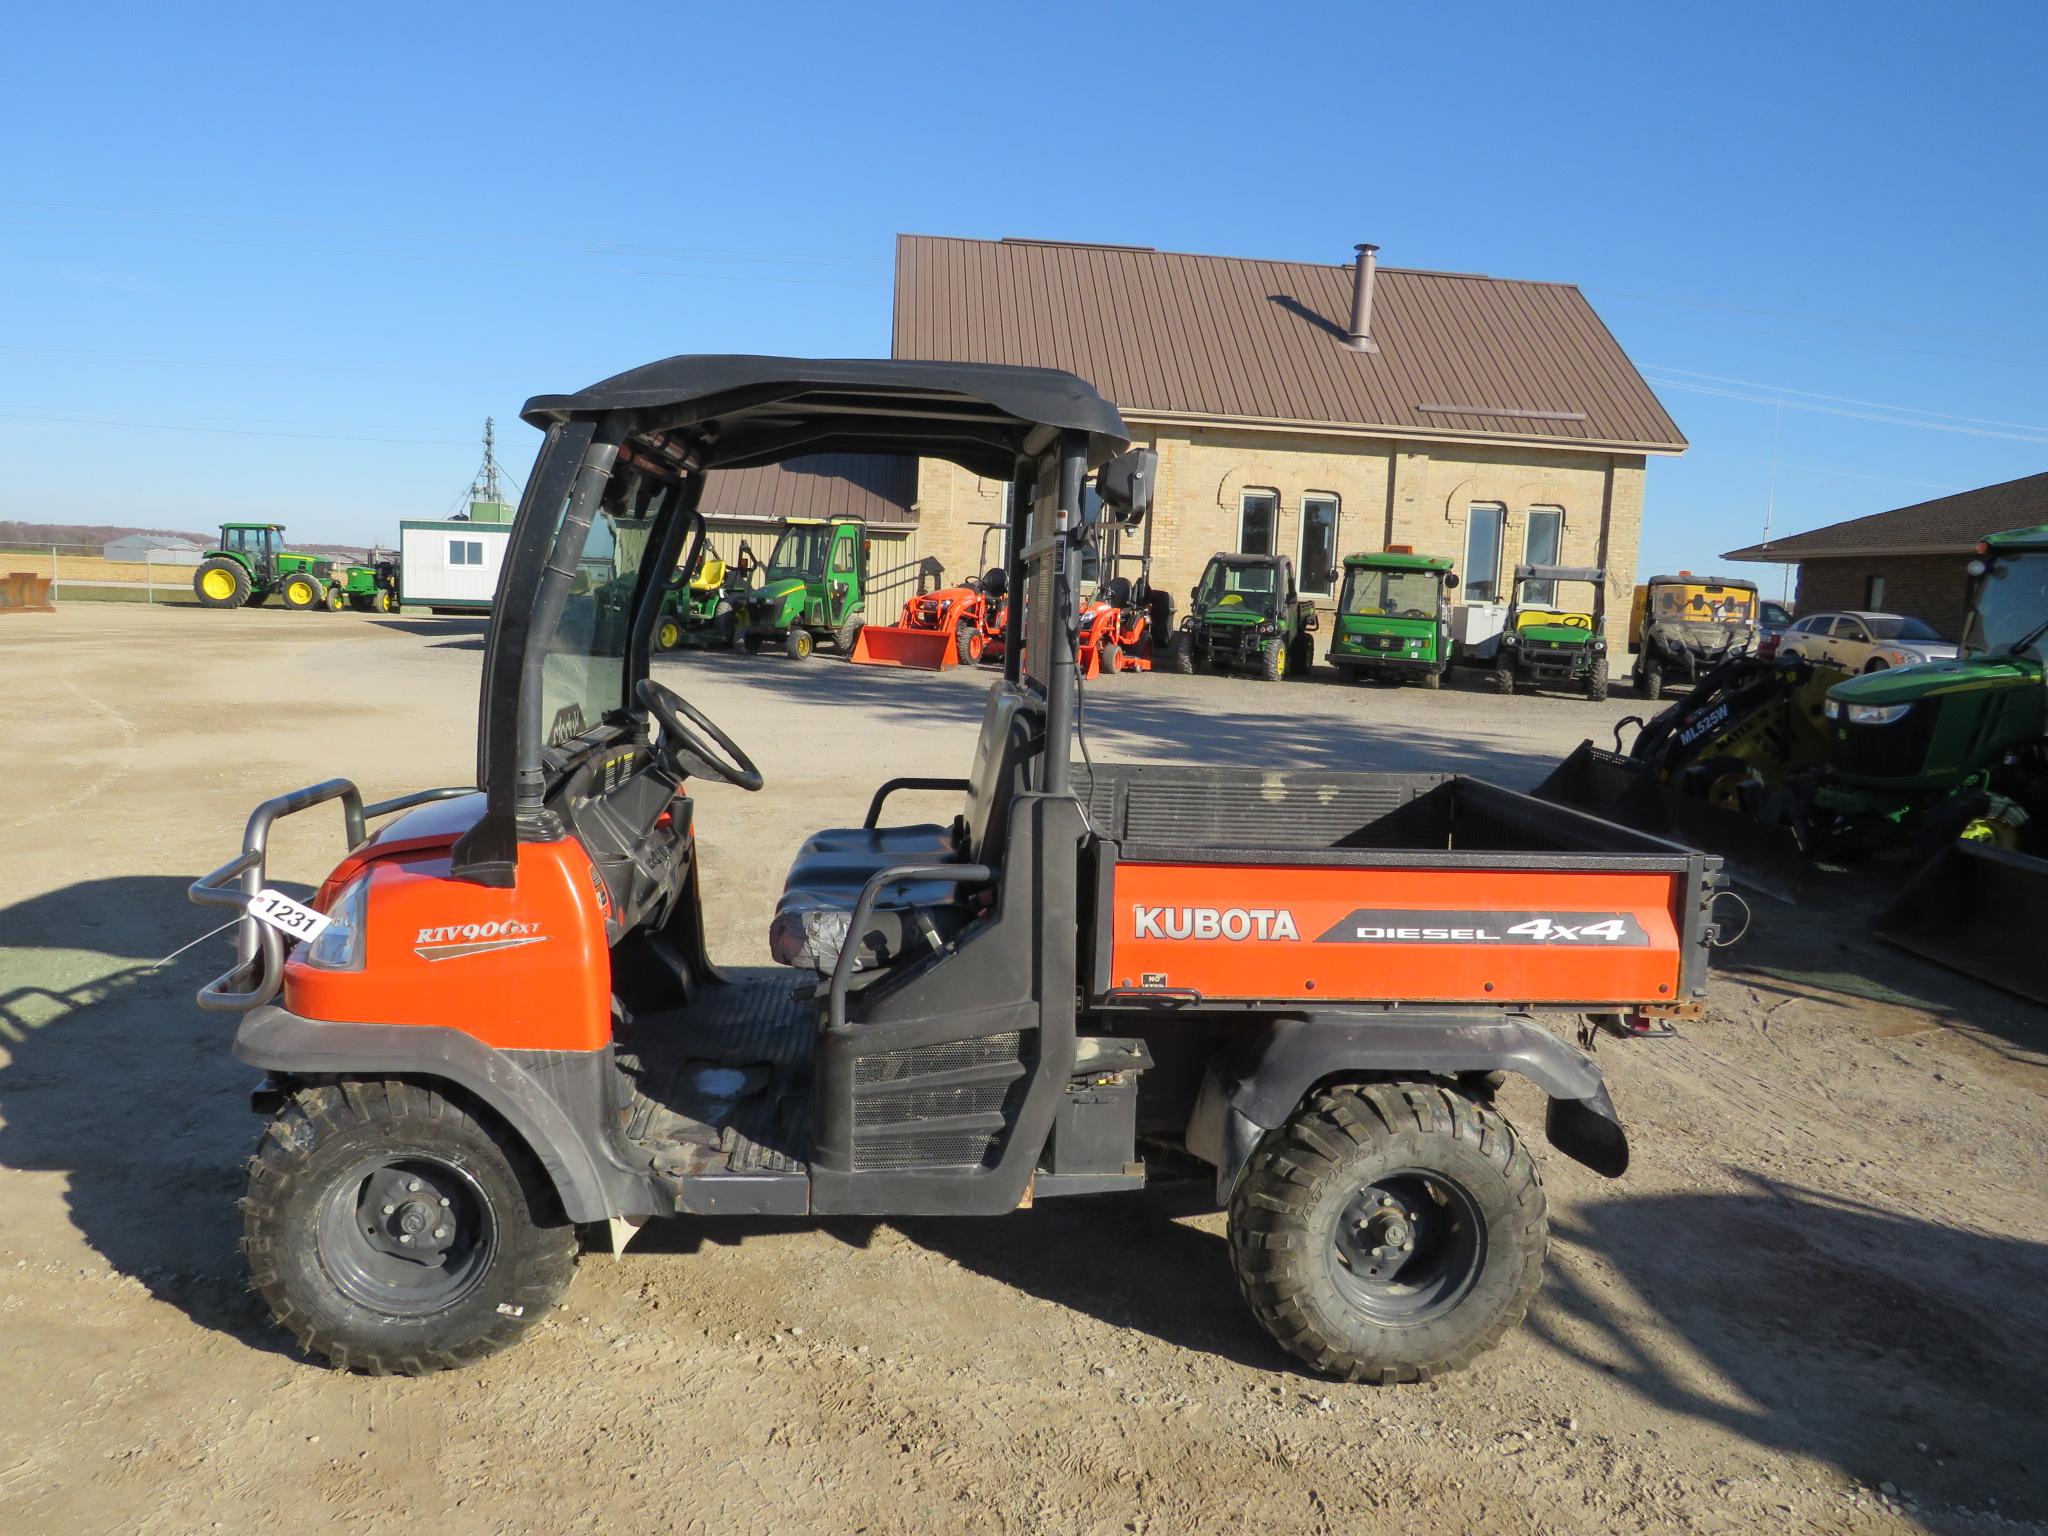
1408, 1247
407, 1236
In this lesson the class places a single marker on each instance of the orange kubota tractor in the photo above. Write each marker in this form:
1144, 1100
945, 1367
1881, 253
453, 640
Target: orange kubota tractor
938, 630
1117, 627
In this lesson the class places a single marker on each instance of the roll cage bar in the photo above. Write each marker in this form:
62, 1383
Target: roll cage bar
668, 424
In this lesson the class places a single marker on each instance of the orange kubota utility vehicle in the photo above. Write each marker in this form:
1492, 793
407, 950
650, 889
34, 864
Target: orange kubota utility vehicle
504, 1031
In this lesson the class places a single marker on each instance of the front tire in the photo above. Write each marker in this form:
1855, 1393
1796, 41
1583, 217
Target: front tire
1273, 660
668, 632
1180, 654
336, 599
1596, 680
1650, 681
1433, 679
797, 643
393, 1232
299, 592
1503, 679
848, 631
1389, 1232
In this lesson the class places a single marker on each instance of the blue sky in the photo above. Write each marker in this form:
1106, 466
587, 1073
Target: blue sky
282, 261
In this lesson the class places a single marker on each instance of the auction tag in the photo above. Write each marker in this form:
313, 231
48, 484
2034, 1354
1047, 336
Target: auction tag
293, 919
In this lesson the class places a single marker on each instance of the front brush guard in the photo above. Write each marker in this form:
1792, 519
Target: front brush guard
258, 971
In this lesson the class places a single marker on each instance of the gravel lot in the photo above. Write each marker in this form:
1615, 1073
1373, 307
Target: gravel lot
1815, 1303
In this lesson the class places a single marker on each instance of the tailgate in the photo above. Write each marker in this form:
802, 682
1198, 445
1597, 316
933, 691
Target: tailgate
1233, 930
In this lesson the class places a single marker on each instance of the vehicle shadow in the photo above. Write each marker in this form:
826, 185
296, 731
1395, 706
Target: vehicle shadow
1130, 1260
113, 1078
1227, 721
1893, 1348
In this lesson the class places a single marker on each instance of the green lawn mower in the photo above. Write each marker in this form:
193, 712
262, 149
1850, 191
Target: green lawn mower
1394, 618
813, 589
1246, 615
705, 608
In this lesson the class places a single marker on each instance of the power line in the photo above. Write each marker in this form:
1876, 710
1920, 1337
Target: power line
1814, 408
165, 426
1812, 394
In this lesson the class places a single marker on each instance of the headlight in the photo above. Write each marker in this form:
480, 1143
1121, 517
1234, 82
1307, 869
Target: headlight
1599, 642
1268, 627
1511, 638
1874, 714
340, 945
1833, 709
1901, 659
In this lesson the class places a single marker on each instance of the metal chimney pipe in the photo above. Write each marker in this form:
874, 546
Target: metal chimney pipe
1367, 268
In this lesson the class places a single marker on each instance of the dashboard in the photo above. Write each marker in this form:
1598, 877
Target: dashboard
611, 792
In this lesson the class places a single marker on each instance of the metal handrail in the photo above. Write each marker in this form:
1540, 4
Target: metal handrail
889, 788
863, 909
258, 971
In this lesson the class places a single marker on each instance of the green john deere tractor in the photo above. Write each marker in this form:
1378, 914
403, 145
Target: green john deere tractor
250, 566
370, 587
704, 608
1394, 617
814, 588
1246, 613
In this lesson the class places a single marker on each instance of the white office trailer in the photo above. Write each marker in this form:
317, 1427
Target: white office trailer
450, 565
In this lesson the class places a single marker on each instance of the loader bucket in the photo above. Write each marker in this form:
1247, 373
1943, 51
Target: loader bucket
1760, 854
900, 645
1979, 910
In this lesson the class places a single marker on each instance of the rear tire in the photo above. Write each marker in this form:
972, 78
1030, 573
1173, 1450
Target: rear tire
1273, 660
342, 1171
221, 583
1596, 680
1302, 660
1180, 653
797, 643
1318, 1223
299, 591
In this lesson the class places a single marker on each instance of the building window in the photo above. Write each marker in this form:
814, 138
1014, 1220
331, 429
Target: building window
1318, 563
1542, 542
465, 551
1258, 522
1873, 593
1483, 523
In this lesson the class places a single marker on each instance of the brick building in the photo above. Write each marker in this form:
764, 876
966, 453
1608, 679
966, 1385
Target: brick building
1314, 411
1910, 560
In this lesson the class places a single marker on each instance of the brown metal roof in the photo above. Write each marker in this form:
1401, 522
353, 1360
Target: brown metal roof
1233, 339
1947, 525
877, 486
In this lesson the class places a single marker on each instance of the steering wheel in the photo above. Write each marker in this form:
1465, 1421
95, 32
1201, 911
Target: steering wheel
684, 749
1575, 621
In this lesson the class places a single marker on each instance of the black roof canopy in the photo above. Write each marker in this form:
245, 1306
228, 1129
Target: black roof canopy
748, 410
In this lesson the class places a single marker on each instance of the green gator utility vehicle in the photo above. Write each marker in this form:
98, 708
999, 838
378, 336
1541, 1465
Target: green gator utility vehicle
1394, 617
249, 565
815, 588
1246, 613
1549, 644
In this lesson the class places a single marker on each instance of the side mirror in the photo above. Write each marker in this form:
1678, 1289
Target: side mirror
1125, 485
1450, 581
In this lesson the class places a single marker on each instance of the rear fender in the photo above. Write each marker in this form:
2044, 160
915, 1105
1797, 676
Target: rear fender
556, 1102
1264, 1074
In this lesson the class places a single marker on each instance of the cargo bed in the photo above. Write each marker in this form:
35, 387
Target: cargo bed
1244, 886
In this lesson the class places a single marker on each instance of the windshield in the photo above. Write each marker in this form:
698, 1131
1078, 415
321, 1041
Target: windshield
801, 551
2012, 600
1890, 626
584, 675
1702, 603
1239, 586
1398, 594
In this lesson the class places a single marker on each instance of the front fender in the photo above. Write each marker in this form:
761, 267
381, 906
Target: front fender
1255, 1083
554, 1101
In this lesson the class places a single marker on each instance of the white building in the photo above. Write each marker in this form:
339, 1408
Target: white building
153, 549
452, 565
